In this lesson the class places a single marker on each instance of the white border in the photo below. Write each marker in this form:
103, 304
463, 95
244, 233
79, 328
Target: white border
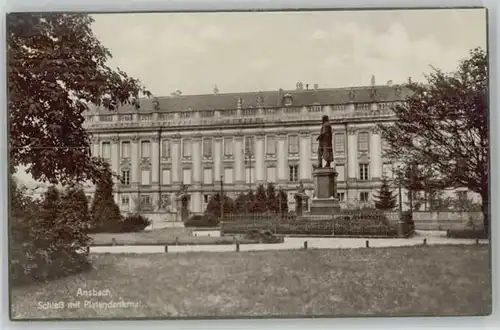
338, 323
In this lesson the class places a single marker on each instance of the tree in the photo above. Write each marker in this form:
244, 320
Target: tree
105, 213
56, 70
213, 209
282, 200
443, 125
272, 200
259, 204
385, 199
241, 203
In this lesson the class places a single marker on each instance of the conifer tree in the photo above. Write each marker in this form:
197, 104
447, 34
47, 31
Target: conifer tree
259, 204
385, 199
282, 201
272, 199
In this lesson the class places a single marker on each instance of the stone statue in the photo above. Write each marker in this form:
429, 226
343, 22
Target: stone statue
325, 148
301, 189
184, 189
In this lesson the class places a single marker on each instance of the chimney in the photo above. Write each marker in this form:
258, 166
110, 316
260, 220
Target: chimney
373, 80
315, 86
307, 86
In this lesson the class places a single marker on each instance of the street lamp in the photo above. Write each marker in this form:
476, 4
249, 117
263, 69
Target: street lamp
400, 194
222, 197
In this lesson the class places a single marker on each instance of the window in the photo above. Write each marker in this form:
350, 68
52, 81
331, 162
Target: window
207, 176
125, 179
145, 177
363, 141
125, 203
228, 175
250, 174
228, 146
165, 149
340, 172
125, 200
206, 200
145, 149
207, 148
125, 149
145, 201
339, 143
186, 176
315, 108
166, 176
165, 202
186, 147
363, 196
314, 144
293, 144
363, 106
294, 173
363, 172
249, 145
106, 150
271, 145
341, 196
271, 174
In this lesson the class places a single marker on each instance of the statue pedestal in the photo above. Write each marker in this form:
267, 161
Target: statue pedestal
324, 201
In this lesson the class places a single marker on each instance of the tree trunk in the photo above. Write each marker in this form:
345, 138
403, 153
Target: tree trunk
486, 211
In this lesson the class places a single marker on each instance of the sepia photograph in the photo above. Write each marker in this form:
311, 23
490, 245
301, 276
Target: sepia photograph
248, 164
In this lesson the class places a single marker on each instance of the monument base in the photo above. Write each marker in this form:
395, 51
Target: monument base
323, 206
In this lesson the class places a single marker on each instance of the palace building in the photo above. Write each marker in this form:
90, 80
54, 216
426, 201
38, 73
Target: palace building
242, 140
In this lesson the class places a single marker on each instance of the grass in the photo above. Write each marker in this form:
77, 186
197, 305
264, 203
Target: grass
160, 236
422, 280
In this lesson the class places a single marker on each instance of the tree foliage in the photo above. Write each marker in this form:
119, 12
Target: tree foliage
56, 69
272, 200
259, 204
213, 210
282, 200
385, 199
443, 126
48, 243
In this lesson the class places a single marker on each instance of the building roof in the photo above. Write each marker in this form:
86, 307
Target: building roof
266, 99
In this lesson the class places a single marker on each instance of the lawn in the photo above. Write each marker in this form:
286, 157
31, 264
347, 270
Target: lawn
421, 280
160, 236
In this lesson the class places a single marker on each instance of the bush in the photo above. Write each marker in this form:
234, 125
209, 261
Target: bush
49, 240
201, 221
134, 223
467, 233
408, 223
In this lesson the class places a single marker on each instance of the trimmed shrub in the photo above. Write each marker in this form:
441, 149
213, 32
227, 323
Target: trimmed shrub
201, 221
408, 223
466, 233
135, 223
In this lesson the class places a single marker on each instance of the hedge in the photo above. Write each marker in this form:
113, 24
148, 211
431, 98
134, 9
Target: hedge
466, 233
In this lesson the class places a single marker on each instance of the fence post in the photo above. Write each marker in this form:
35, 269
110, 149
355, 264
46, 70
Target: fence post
367, 243
237, 246
425, 241
166, 248
305, 245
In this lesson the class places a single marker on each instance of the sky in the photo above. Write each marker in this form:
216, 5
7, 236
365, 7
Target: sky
242, 52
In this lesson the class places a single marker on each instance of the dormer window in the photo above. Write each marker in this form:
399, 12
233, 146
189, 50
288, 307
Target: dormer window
288, 100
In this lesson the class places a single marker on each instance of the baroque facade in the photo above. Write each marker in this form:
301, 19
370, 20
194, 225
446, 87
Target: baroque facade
241, 140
